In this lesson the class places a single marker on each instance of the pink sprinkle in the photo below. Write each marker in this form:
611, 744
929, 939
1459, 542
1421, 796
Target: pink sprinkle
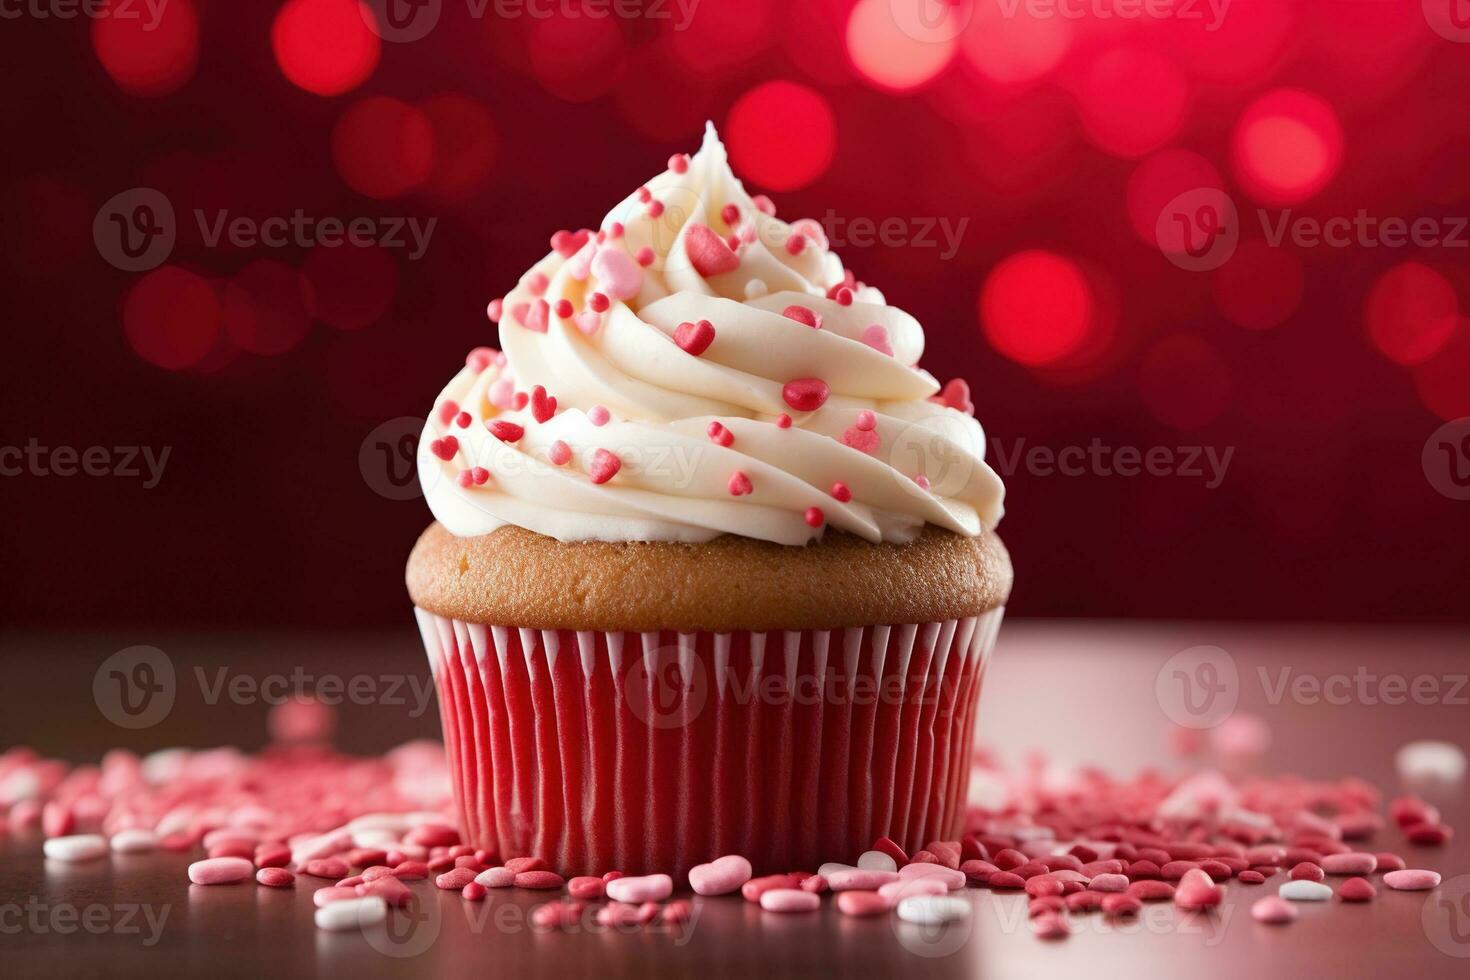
790, 900
644, 256
643, 888
802, 314
444, 448
537, 317
220, 871
695, 338
455, 880
615, 230
645, 195
656, 209
876, 337
479, 476
955, 394
588, 321
805, 394
598, 415
733, 241
473, 892
537, 282
519, 399
598, 303
585, 887
719, 434
841, 492
275, 877
464, 479
604, 466
496, 878
866, 420
731, 215
495, 309
679, 163
863, 440
505, 431
1273, 910
526, 864
559, 453
480, 358
859, 903
564, 308
566, 243
721, 876
448, 409
763, 204
783, 421
739, 484
1351, 863
463, 420
1050, 926
814, 517
922, 481
796, 244
1411, 879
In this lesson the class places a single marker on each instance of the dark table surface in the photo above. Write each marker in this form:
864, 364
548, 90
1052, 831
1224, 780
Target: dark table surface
1079, 692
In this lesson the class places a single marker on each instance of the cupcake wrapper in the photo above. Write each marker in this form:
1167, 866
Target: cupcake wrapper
644, 752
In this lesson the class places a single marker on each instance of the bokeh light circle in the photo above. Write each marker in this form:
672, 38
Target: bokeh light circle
1015, 49
1159, 179
1412, 312
349, 286
465, 144
1260, 287
1184, 382
262, 309
888, 56
145, 57
1441, 380
171, 317
1132, 101
382, 147
781, 135
325, 46
577, 58
1037, 308
716, 38
1287, 146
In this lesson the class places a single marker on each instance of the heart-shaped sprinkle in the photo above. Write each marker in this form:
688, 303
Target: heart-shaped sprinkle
876, 337
844, 296
444, 448
505, 431
719, 434
619, 276
803, 314
739, 484
480, 358
567, 243
604, 466
805, 394
534, 316
694, 338
543, 406
708, 253
955, 395
479, 476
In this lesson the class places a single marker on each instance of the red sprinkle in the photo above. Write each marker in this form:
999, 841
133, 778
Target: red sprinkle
805, 394
1357, 890
598, 303
885, 844
796, 244
739, 484
655, 209
474, 892
731, 214
814, 517
679, 163
695, 338
783, 421
543, 406
444, 448
719, 434
275, 877
505, 431
709, 253
448, 409
644, 256
803, 314
564, 308
604, 467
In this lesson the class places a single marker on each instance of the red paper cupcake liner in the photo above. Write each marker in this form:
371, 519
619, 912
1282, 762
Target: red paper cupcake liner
645, 752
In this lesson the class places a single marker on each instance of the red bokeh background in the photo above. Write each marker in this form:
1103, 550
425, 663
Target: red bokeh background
1068, 137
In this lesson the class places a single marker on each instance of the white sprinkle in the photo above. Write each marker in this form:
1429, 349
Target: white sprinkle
832, 867
876, 861
932, 910
352, 913
134, 840
1305, 891
756, 288
78, 847
1431, 762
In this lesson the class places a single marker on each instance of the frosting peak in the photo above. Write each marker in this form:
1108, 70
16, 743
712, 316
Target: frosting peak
698, 367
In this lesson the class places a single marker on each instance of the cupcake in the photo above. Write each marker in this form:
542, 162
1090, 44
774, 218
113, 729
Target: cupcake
714, 567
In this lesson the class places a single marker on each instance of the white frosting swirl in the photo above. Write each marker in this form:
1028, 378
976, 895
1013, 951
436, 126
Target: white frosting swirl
903, 457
